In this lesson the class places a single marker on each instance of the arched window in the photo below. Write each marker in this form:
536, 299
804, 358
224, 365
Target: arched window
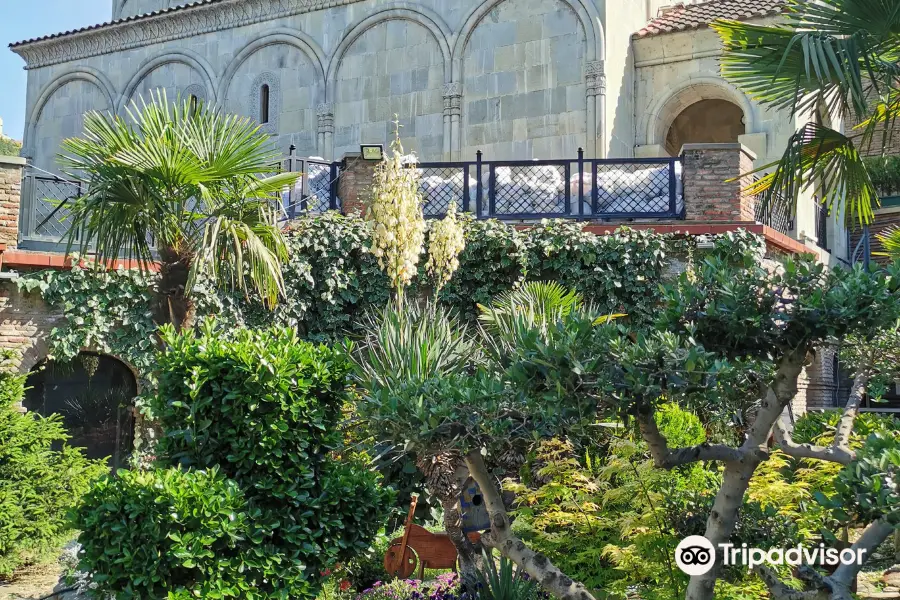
264, 104
94, 394
195, 103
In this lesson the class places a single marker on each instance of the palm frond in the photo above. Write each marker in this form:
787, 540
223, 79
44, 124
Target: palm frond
836, 53
181, 176
827, 161
890, 242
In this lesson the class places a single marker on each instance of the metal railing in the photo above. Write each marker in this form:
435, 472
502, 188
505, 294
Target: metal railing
776, 213
862, 252
43, 215
636, 188
316, 191
821, 225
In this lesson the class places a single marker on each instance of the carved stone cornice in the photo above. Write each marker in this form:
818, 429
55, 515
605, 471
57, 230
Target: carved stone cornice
184, 22
594, 78
452, 98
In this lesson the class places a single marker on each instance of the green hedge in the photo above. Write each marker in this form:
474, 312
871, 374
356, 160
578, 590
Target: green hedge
262, 408
153, 533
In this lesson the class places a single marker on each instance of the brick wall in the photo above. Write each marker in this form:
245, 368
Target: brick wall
10, 190
708, 193
355, 183
25, 323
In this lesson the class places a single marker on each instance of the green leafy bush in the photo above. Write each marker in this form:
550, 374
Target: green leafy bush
619, 272
331, 278
38, 484
262, 407
174, 532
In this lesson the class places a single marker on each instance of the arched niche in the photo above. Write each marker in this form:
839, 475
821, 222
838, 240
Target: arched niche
59, 114
522, 69
711, 121
294, 82
94, 394
392, 63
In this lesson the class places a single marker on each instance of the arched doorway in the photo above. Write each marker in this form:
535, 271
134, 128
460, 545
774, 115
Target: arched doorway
94, 394
706, 121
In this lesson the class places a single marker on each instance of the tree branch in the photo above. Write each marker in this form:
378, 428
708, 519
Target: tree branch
664, 458
781, 591
501, 537
857, 391
830, 453
872, 537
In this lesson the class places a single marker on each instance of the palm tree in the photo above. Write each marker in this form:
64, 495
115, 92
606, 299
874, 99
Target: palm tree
839, 56
182, 184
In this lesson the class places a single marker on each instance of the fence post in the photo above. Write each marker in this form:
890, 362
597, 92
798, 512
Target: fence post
466, 191
333, 187
292, 205
673, 204
580, 182
478, 187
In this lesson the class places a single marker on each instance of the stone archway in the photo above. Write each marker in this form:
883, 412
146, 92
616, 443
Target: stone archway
94, 395
713, 121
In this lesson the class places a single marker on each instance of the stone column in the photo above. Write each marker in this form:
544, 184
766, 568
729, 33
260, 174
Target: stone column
714, 177
325, 131
10, 199
452, 113
355, 183
595, 91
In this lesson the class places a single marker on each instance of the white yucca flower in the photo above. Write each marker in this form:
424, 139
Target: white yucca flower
396, 212
446, 244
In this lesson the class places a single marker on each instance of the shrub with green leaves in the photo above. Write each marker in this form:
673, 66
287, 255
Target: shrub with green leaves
38, 483
261, 407
154, 533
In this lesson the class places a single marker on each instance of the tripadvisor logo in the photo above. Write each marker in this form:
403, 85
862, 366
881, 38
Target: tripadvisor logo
696, 555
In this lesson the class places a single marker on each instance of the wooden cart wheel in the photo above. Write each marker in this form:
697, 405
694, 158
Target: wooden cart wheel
397, 566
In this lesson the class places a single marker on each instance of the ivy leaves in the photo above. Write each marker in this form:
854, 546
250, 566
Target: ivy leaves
105, 311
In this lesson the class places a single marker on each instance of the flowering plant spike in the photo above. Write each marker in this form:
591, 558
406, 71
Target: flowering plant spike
446, 243
396, 214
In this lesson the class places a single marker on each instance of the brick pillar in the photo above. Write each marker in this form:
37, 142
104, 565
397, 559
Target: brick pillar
355, 183
10, 195
708, 193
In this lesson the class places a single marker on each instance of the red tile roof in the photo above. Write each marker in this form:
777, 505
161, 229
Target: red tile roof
116, 22
683, 17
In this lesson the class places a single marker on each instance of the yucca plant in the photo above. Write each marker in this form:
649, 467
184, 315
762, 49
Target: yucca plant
183, 184
412, 343
840, 57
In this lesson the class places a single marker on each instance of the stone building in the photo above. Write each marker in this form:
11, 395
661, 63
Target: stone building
516, 79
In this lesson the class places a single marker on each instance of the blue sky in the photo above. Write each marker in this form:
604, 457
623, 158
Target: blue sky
26, 19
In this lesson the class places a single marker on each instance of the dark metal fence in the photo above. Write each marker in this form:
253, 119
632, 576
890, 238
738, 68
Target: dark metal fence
44, 214
776, 213
316, 190
534, 189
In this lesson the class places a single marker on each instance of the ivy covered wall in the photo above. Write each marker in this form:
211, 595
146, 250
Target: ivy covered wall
332, 280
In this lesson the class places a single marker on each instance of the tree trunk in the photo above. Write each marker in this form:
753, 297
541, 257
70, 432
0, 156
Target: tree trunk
724, 514
501, 537
467, 553
172, 303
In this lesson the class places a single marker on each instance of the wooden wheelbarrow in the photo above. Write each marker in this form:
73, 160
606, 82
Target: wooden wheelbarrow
420, 546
